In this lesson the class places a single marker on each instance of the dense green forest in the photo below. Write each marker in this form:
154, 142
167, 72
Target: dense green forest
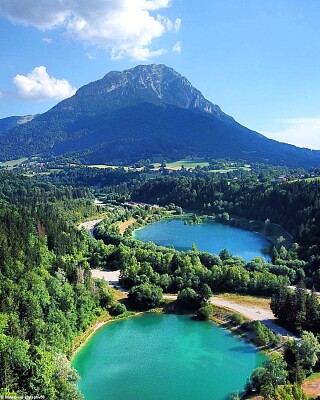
48, 296
46, 290
293, 205
173, 270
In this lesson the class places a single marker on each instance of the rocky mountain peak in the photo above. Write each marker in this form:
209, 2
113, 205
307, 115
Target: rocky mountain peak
152, 84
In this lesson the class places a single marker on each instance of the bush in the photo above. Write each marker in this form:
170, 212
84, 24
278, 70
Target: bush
205, 312
189, 299
145, 296
265, 336
236, 319
117, 309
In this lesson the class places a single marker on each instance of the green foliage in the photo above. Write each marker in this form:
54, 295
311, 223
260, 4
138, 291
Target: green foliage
117, 309
47, 295
268, 377
290, 392
145, 296
308, 350
205, 312
265, 336
236, 319
297, 309
189, 299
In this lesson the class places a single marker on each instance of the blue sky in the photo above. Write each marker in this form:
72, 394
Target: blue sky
258, 60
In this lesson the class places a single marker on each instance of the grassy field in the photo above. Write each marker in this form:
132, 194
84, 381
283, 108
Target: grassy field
312, 377
124, 225
248, 301
12, 163
177, 165
223, 171
316, 178
103, 166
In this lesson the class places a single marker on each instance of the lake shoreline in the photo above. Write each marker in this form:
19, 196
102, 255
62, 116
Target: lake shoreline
208, 235
94, 328
89, 357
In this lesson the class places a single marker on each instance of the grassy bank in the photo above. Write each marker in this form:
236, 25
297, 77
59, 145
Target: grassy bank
101, 321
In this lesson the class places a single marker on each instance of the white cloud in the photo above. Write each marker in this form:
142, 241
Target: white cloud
47, 40
38, 85
177, 48
90, 56
302, 132
125, 27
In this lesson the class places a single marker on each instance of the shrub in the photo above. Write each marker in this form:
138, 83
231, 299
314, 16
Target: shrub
236, 319
117, 309
205, 312
145, 296
189, 299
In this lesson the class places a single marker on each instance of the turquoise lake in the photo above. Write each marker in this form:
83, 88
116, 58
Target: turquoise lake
162, 357
208, 236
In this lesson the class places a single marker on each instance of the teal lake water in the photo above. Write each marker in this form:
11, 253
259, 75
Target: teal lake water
208, 236
162, 357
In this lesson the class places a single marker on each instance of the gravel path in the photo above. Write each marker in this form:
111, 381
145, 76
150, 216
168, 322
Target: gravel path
112, 277
254, 313
89, 225
264, 315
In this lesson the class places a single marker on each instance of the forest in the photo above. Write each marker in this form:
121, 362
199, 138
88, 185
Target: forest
48, 296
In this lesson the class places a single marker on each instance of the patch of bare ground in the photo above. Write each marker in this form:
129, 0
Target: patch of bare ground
246, 307
312, 388
247, 301
112, 278
124, 225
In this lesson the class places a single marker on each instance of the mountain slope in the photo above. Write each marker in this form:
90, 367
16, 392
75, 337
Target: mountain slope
11, 122
144, 112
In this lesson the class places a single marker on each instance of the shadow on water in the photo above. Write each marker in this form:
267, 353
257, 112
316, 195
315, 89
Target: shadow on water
242, 349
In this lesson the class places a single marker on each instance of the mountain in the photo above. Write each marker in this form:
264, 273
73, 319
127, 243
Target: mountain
11, 122
144, 112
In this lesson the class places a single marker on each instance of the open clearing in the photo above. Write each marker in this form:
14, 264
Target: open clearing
124, 225
246, 301
112, 277
12, 163
251, 311
187, 164
248, 310
311, 386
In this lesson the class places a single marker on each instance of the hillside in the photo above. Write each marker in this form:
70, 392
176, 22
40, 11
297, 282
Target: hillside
11, 122
145, 112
